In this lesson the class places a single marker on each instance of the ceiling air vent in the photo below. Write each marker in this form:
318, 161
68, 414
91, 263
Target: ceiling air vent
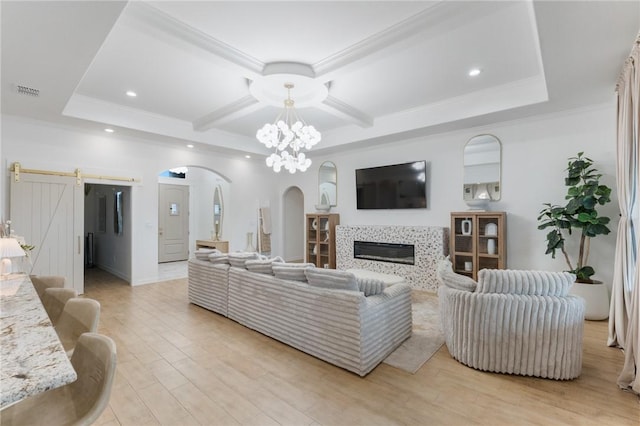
24, 90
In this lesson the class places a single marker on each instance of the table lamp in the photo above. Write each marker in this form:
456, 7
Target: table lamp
9, 247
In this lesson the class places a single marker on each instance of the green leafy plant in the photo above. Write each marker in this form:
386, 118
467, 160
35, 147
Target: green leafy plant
584, 194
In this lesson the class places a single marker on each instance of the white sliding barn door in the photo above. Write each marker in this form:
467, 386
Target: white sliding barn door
48, 212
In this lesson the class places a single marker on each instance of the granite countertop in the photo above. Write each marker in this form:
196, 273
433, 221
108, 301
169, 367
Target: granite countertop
33, 359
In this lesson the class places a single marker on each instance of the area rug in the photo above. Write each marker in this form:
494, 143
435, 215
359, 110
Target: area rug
426, 338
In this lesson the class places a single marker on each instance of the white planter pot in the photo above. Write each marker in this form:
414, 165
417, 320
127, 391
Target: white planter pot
596, 297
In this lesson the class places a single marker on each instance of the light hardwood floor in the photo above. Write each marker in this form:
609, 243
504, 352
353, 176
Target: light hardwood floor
179, 364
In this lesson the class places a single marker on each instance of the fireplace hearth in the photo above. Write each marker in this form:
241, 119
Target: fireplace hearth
384, 252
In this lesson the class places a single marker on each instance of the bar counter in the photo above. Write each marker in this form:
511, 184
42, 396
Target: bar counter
32, 359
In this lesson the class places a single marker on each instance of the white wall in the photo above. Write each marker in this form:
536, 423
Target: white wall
39, 145
534, 158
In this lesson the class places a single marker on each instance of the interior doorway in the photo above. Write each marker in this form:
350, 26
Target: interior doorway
200, 184
173, 223
293, 229
107, 233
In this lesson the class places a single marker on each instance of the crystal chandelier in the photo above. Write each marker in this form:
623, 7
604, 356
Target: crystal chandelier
288, 135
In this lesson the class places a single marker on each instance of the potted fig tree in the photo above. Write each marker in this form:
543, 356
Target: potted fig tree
579, 218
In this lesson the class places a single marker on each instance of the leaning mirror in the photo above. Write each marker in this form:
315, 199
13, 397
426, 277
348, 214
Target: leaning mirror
117, 212
482, 157
327, 185
217, 213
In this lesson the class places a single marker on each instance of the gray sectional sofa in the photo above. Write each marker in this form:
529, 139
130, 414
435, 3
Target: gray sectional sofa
343, 327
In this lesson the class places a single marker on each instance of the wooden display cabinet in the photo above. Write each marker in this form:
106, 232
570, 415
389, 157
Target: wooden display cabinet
321, 239
478, 241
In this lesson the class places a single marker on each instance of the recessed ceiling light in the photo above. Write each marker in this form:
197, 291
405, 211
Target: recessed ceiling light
474, 72
189, 146
108, 130
131, 93
247, 156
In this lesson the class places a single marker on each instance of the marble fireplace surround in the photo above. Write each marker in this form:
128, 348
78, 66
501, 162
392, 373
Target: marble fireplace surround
431, 245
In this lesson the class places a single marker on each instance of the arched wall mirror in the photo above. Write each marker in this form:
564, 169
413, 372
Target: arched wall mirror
482, 169
327, 184
218, 210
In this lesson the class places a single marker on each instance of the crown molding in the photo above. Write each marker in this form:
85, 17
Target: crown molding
436, 18
156, 20
92, 109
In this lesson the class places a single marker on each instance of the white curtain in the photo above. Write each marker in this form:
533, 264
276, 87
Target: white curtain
624, 315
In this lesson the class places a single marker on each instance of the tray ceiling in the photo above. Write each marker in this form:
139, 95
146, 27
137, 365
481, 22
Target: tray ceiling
390, 68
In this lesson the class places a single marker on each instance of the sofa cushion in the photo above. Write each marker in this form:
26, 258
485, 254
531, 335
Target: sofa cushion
371, 286
533, 283
262, 266
447, 277
331, 278
218, 258
291, 271
387, 279
203, 253
238, 259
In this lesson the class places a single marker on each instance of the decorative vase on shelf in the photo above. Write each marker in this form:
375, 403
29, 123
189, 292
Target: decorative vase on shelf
491, 229
491, 246
250, 247
465, 226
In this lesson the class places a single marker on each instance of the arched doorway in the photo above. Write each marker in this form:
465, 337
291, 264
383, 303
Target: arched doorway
196, 207
293, 225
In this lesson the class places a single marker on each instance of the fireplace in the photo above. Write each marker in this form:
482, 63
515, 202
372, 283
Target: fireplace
429, 246
384, 252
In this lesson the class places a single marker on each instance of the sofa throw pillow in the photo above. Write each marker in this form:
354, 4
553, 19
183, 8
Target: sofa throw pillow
291, 271
238, 259
332, 279
447, 277
371, 286
532, 283
262, 266
218, 258
203, 253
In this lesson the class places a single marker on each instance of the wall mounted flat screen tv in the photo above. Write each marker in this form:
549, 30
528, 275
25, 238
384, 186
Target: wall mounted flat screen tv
398, 186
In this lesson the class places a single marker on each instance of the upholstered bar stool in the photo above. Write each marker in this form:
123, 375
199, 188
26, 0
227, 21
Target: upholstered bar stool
79, 403
79, 316
54, 299
43, 282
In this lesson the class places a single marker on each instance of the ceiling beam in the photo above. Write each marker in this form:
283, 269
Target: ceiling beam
345, 111
237, 109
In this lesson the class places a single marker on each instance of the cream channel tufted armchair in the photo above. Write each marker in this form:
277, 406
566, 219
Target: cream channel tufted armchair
516, 322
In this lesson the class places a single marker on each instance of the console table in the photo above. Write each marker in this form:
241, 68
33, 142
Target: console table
33, 359
223, 246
